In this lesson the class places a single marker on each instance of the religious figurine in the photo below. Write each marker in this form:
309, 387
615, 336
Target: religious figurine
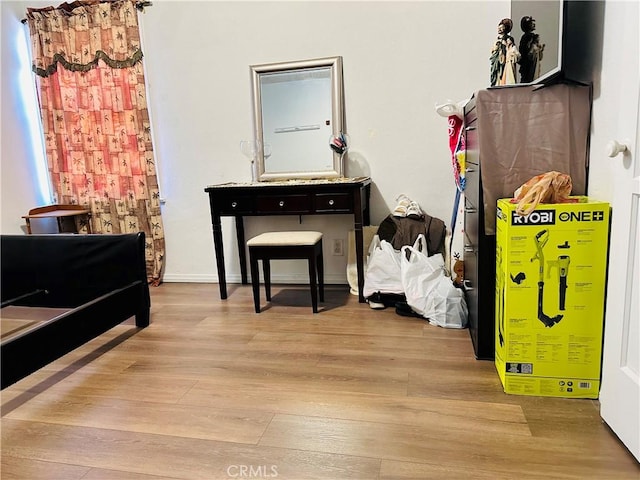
498, 55
509, 74
531, 50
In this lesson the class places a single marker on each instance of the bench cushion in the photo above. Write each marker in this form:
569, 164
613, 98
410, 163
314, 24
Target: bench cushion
285, 239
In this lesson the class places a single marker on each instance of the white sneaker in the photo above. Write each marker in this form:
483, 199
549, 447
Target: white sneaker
414, 211
402, 207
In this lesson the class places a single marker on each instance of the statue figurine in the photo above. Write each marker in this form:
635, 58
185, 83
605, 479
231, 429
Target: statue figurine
531, 50
509, 74
498, 55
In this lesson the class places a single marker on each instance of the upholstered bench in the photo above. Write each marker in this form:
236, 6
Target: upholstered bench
287, 246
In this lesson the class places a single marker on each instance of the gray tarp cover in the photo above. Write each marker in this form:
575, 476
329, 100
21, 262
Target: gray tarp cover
525, 131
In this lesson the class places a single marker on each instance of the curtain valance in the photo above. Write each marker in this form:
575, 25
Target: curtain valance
77, 35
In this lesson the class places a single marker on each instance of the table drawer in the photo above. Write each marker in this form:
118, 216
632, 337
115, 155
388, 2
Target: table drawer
472, 144
332, 202
283, 204
471, 220
471, 274
236, 205
472, 183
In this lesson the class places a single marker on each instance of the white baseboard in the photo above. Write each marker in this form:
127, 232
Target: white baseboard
213, 278
189, 278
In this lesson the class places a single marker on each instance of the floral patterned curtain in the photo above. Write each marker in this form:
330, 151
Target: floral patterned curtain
90, 82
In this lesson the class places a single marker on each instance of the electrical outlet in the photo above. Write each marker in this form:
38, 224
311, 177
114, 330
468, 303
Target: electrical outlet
338, 247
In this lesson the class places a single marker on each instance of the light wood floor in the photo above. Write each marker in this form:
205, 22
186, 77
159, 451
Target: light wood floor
211, 390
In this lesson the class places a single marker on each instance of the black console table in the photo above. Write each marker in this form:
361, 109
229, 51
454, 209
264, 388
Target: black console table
294, 197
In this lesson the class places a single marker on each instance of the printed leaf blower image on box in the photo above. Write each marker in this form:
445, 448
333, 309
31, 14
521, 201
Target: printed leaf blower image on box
540, 240
562, 264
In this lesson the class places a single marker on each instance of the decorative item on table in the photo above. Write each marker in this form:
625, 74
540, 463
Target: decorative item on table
531, 50
509, 73
250, 149
339, 143
498, 56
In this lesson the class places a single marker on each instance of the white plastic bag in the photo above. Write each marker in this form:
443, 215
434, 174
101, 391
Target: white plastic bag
383, 269
448, 305
429, 291
420, 275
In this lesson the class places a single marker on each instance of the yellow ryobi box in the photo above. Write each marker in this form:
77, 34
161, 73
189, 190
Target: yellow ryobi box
550, 294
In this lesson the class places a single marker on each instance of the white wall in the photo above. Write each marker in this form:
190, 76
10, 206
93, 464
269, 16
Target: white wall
18, 174
400, 59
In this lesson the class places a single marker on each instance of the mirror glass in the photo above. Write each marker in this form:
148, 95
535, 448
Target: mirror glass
298, 107
548, 26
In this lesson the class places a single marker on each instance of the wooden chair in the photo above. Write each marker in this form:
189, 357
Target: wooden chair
287, 246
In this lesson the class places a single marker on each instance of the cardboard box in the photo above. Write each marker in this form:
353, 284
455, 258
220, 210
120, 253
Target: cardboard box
550, 295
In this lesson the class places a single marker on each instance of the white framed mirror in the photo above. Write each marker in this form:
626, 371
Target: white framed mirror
298, 108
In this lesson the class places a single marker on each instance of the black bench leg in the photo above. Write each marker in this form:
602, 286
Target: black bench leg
320, 267
266, 268
255, 282
313, 273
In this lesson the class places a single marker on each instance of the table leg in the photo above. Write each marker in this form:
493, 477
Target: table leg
242, 254
360, 262
358, 214
219, 248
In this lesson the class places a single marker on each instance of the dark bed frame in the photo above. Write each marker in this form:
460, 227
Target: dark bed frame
99, 279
